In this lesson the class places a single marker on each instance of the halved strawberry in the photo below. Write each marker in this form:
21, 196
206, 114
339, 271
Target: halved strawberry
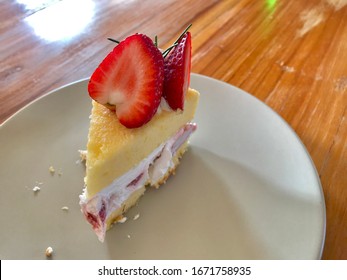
130, 80
177, 67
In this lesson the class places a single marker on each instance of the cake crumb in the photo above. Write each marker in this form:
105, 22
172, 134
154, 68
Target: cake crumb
49, 252
51, 170
36, 189
136, 217
129, 236
122, 220
83, 155
60, 173
65, 208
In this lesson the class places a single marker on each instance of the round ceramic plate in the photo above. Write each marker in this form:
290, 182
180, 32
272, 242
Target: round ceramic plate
246, 188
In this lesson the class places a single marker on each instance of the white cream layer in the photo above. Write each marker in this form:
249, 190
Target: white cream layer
151, 171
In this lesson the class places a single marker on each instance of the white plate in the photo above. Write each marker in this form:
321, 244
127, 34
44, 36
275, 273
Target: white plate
246, 189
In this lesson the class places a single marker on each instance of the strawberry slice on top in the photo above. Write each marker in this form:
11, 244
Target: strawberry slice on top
130, 80
177, 66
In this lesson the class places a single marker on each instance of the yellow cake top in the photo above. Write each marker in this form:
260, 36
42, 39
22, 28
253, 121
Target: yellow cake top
114, 149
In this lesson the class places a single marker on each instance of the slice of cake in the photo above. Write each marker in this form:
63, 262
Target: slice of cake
140, 124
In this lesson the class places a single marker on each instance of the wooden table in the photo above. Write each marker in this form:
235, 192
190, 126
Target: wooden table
292, 55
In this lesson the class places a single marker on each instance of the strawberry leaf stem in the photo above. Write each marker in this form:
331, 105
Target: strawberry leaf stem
113, 40
167, 51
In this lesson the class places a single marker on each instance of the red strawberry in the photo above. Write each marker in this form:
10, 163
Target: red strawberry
130, 80
177, 73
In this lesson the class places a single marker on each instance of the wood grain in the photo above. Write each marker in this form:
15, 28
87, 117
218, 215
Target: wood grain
289, 54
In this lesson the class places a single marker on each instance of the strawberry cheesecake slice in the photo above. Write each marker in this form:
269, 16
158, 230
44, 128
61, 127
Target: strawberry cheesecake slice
140, 124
